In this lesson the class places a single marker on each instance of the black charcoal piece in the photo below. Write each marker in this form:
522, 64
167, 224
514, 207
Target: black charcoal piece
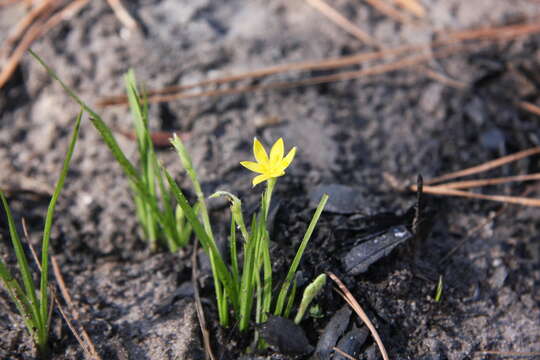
285, 336
342, 199
360, 257
351, 342
332, 332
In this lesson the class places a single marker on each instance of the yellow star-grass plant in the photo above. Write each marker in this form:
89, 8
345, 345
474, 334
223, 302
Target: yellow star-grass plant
238, 286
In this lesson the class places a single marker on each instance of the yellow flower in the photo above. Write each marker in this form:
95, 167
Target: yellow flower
269, 167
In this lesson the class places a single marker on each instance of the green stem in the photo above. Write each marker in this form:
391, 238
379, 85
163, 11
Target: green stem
267, 197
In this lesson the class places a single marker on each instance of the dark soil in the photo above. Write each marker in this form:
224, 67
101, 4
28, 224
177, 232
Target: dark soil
138, 305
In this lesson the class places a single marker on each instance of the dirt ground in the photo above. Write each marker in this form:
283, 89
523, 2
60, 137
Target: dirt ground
139, 305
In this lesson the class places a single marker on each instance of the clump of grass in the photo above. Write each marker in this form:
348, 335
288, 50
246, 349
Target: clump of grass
167, 224
157, 216
246, 290
35, 307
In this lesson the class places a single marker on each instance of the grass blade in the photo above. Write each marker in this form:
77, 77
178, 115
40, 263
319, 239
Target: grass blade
185, 158
296, 261
18, 296
47, 229
24, 268
100, 126
216, 261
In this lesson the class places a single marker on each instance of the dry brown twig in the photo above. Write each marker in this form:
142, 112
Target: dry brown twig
19, 29
502, 33
441, 190
40, 19
354, 30
347, 75
467, 184
198, 306
11, 2
343, 353
123, 15
412, 6
40, 26
452, 188
508, 353
389, 11
86, 342
485, 166
530, 107
349, 298
343, 22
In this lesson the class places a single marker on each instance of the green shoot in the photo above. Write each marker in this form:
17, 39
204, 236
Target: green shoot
153, 199
439, 289
310, 292
35, 310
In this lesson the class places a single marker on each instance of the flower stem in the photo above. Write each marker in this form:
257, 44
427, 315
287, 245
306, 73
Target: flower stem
267, 197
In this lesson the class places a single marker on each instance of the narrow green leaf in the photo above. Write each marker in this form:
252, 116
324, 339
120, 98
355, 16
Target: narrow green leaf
290, 301
296, 261
219, 269
24, 268
185, 158
20, 299
47, 229
439, 290
234, 254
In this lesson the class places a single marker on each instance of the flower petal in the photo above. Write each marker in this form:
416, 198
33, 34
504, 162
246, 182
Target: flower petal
288, 159
260, 178
275, 172
278, 149
253, 166
259, 152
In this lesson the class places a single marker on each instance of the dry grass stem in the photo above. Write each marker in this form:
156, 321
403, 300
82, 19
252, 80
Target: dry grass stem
530, 107
37, 29
485, 166
28, 3
198, 306
389, 11
327, 64
375, 70
414, 6
343, 22
122, 14
467, 184
18, 30
443, 79
86, 342
354, 30
508, 353
343, 353
349, 298
502, 33
441, 190
40, 19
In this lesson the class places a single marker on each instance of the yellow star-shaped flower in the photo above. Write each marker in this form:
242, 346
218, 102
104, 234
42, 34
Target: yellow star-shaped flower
269, 167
